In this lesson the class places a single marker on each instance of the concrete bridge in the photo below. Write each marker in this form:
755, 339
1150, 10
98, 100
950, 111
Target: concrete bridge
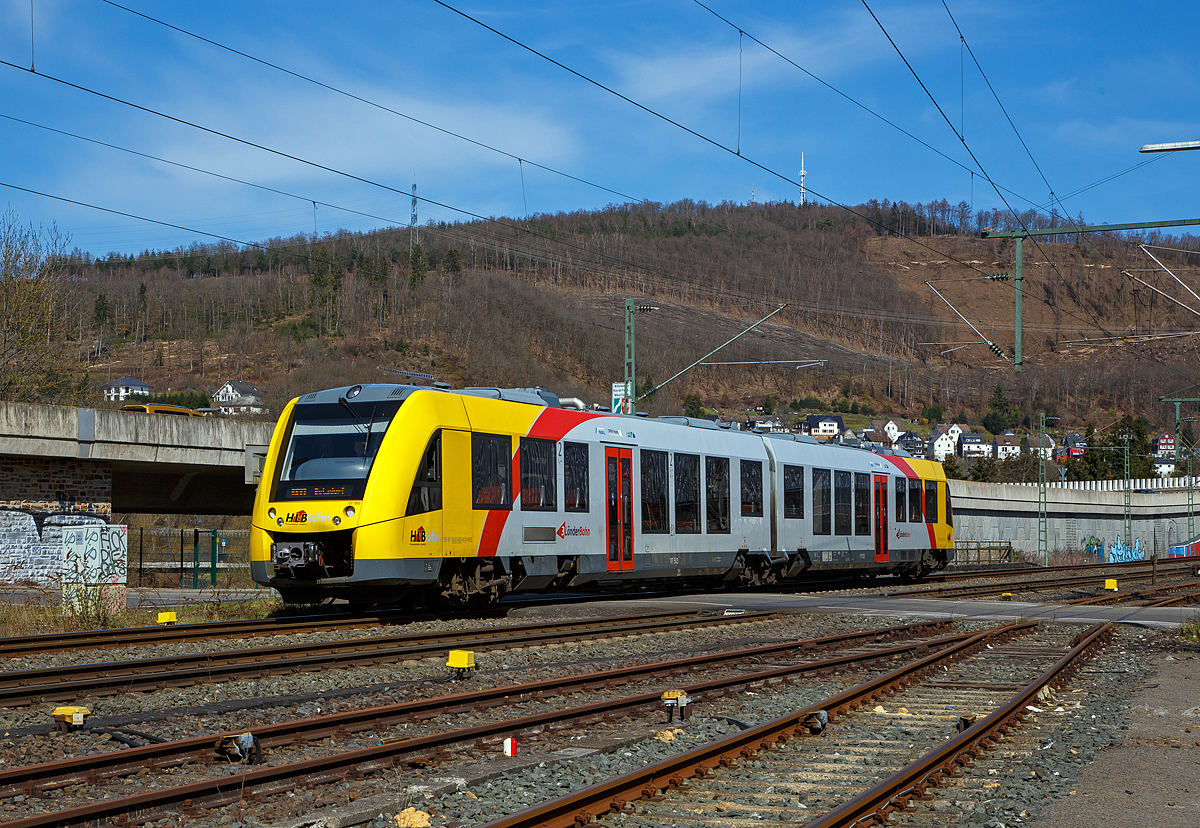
55, 458
62, 466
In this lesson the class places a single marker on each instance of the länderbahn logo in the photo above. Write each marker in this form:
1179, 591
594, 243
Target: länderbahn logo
565, 531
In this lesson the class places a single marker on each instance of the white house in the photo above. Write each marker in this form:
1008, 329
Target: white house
120, 389
1038, 444
823, 426
1006, 445
973, 445
942, 443
1164, 467
237, 397
888, 427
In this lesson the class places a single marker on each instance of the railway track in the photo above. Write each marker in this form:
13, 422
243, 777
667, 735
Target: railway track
93, 770
1165, 569
70, 682
770, 775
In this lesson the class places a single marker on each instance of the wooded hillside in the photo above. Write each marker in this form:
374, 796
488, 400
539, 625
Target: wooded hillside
541, 302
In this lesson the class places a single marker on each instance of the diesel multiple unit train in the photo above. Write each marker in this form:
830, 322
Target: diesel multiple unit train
410, 495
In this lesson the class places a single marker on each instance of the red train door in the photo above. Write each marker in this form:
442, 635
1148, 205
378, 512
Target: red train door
881, 518
618, 478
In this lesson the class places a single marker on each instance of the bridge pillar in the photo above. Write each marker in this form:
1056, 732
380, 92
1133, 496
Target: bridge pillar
39, 496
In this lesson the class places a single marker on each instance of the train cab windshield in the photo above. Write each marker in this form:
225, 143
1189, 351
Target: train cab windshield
330, 449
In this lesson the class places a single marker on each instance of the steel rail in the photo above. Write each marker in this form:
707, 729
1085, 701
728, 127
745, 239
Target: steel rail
959, 575
133, 636
253, 785
1030, 585
66, 683
896, 792
34, 779
1136, 595
580, 807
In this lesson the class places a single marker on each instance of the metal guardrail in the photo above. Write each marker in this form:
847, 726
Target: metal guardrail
984, 552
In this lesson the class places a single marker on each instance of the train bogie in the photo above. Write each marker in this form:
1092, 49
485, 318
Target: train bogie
388, 494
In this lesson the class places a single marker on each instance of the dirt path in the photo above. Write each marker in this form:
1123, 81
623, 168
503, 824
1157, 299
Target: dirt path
1152, 778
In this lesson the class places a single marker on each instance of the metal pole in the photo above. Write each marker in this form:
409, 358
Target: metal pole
1128, 496
195, 559
1017, 279
630, 364
181, 559
1043, 543
141, 553
213, 568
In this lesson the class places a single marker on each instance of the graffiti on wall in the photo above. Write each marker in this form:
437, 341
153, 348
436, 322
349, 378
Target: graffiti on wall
96, 554
1118, 552
1094, 547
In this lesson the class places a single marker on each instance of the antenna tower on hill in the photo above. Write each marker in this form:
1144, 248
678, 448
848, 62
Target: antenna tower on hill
803, 172
412, 223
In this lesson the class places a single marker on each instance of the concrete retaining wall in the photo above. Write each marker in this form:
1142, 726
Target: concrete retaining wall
1088, 517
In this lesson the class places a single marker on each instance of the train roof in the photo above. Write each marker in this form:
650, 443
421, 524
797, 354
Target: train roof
378, 392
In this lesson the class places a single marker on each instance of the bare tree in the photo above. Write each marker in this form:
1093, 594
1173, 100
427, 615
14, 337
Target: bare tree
31, 266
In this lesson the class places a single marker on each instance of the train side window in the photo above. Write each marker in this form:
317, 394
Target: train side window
539, 475
656, 517
793, 491
822, 512
575, 477
426, 494
750, 473
687, 494
949, 508
901, 503
716, 501
931, 501
491, 471
914, 501
841, 502
862, 504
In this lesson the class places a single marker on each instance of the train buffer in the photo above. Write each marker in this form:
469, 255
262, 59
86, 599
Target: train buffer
673, 699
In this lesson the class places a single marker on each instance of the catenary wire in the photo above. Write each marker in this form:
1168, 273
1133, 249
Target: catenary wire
842, 94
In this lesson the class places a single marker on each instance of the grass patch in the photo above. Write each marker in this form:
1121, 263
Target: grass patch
1190, 632
48, 616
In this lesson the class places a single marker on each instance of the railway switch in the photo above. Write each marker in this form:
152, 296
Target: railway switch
1005, 596
462, 662
677, 698
167, 618
70, 718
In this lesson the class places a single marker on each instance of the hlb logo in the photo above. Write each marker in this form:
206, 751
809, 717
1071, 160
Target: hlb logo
418, 535
297, 517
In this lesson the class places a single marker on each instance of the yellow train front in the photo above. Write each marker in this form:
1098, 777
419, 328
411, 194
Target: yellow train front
405, 495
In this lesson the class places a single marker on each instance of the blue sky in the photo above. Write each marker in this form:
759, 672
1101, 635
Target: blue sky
1086, 84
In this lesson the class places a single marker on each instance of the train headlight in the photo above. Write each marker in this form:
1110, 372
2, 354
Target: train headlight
271, 513
337, 521
279, 522
349, 510
353, 392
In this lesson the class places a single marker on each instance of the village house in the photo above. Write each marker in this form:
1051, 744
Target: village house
823, 426
973, 445
237, 397
1006, 445
1041, 445
123, 388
